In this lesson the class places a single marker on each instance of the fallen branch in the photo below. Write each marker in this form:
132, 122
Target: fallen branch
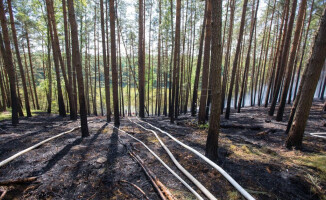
166, 192
135, 186
4, 192
18, 181
148, 174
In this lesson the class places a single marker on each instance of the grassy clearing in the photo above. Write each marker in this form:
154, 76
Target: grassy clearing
6, 115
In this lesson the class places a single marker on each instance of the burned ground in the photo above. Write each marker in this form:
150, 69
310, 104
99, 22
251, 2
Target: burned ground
99, 167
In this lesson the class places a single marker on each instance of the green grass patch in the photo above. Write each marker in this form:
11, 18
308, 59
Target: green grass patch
318, 162
203, 126
6, 115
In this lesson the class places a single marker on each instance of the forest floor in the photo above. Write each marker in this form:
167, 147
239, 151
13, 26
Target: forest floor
251, 150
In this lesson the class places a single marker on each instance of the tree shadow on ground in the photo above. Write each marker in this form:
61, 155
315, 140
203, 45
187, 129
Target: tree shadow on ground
57, 157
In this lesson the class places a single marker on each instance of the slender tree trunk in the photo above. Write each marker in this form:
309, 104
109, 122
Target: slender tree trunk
20, 105
62, 109
31, 68
298, 28
165, 107
28, 78
284, 59
246, 70
211, 150
20, 65
314, 67
227, 56
100, 91
197, 75
114, 64
73, 109
49, 97
235, 62
7, 57
175, 88
323, 90
191, 55
76, 60
122, 110
158, 86
205, 72
3, 92
141, 62
106, 66
57, 52
296, 59
303, 49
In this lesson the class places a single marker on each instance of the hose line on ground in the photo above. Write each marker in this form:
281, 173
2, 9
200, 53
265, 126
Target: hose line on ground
182, 169
6, 161
218, 168
163, 163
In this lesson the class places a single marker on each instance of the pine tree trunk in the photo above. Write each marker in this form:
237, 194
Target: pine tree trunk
211, 150
235, 62
246, 70
20, 65
314, 67
57, 55
7, 57
31, 68
205, 72
49, 97
303, 49
76, 61
141, 62
61, 105
227, 56
200, 53
176, 61
298, 28
296, 60
158, 86
114, 64
73, 109
283, 59
3, 92
106, 66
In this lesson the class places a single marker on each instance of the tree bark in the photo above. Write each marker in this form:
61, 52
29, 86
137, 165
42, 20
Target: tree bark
7, 57
205, 72
32, 71
20, 65
314, 67
197, 75
76, 61
211, 150
105, 65
227, 56
62, 109
298, 28
141, 62
246, 70
114, 64
73, 109
175, 89
235, 62
284, 58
